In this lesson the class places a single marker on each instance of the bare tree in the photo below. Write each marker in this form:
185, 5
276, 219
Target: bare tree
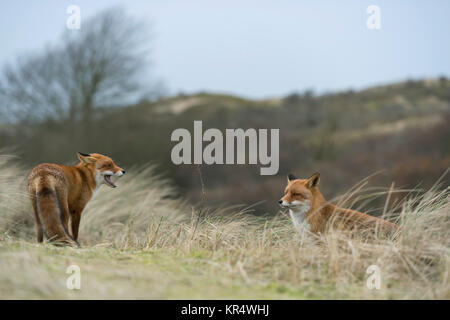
97, 65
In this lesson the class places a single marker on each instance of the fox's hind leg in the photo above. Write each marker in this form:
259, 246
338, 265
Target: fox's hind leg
64, 215
53, 217
61, 197
39, 230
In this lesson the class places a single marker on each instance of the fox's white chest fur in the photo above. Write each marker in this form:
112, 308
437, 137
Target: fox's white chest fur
98, 182
298, 217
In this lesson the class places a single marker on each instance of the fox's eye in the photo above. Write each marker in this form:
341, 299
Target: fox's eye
296, 194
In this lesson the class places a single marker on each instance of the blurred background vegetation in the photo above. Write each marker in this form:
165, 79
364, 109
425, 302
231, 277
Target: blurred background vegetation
79, 96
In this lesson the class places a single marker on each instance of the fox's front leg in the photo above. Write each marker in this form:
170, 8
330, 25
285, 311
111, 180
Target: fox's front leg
75, 218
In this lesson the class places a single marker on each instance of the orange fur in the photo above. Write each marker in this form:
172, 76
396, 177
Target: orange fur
59, 193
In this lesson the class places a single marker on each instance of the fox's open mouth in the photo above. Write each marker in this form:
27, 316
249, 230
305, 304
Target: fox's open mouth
109, 182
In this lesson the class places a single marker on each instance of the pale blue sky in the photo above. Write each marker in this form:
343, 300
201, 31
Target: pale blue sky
261, 48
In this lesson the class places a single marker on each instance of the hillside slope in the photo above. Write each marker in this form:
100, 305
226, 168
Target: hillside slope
401, 129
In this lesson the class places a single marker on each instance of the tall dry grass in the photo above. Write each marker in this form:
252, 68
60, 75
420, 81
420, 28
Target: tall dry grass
16, 219
142, 216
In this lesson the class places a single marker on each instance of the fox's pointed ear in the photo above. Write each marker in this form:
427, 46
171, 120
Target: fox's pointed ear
85, 157
313, 181
291, 177
84, 154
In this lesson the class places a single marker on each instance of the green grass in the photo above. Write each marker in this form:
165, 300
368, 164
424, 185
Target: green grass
109, 273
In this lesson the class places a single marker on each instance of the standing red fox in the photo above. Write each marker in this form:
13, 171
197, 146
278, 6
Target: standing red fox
310, 211
59, 193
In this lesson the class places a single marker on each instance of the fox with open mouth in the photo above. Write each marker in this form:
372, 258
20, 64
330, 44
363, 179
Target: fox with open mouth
309, 211
60, 193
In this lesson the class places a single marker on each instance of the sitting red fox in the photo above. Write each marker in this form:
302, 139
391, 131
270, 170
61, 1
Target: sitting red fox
59, 192
310, 211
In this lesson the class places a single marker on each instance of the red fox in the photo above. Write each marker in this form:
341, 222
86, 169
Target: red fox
310, 211
59, 193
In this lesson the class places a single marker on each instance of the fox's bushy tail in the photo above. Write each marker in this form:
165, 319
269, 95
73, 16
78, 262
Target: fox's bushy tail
49, 214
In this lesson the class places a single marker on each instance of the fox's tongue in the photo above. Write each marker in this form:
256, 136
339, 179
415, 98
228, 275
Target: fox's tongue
110, 182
